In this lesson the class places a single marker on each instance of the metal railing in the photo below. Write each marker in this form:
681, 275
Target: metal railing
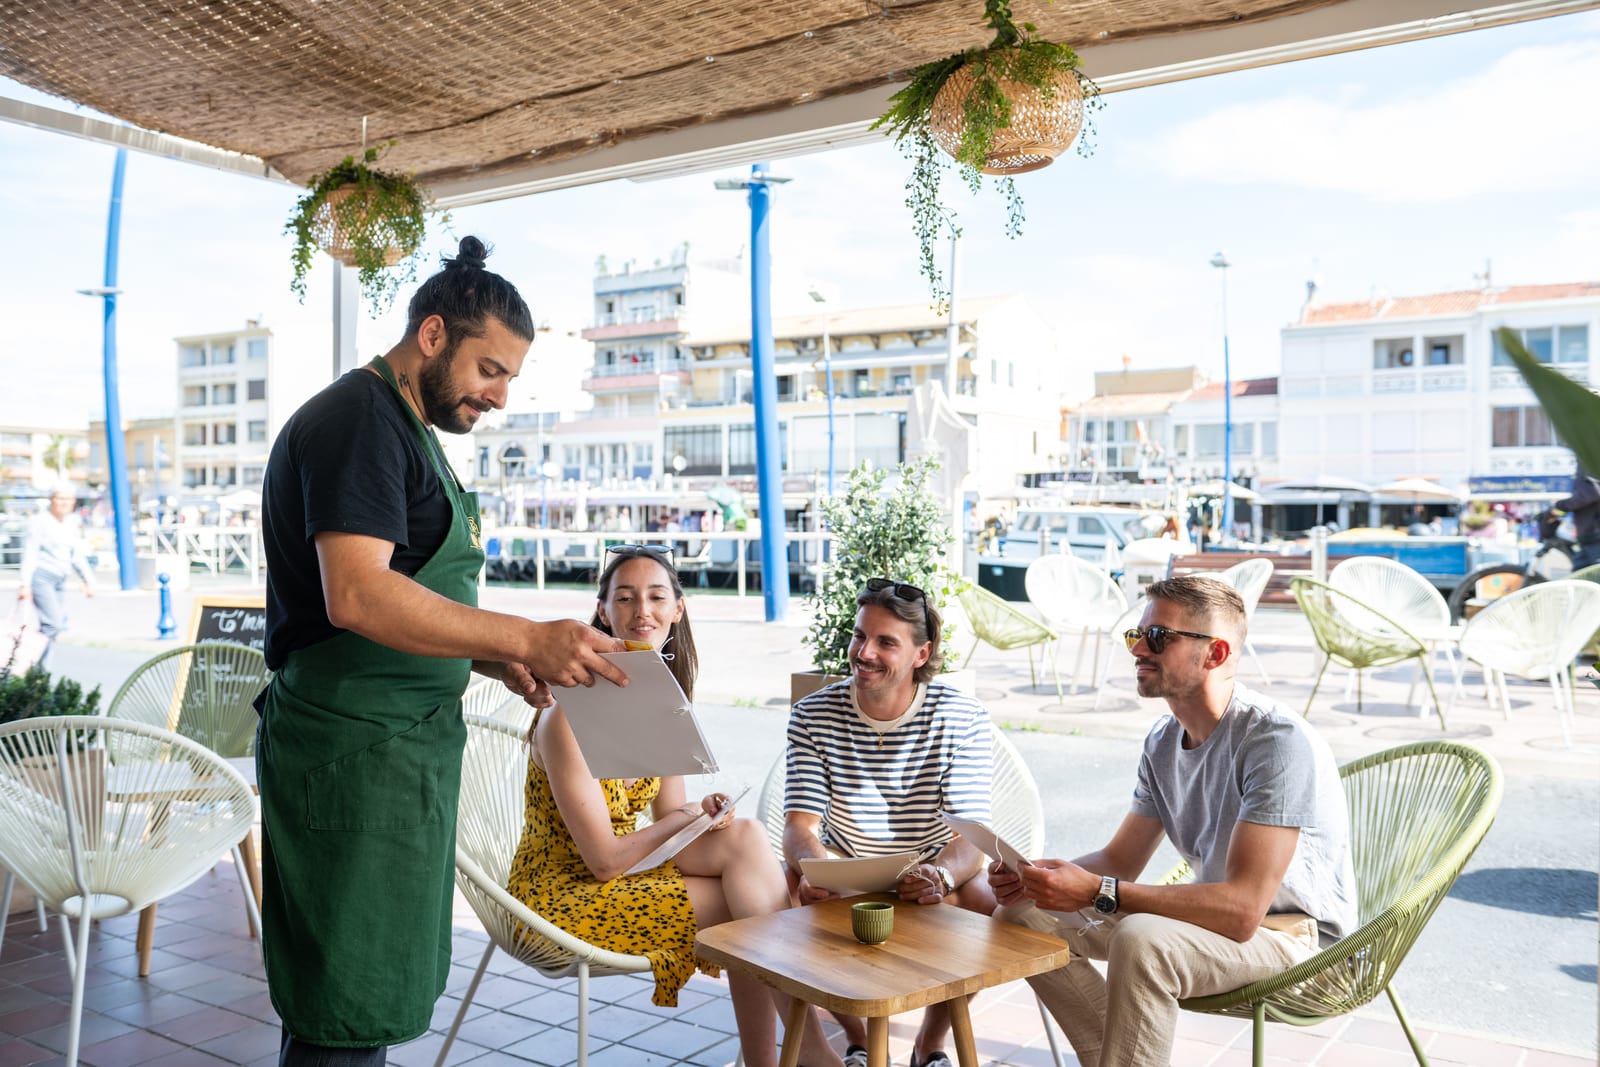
217, 548
813, 551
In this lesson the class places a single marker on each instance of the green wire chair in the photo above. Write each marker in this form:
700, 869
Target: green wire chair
1000, 623
1417, 813
1356, 635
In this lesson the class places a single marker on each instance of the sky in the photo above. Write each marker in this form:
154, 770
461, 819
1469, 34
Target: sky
1404, 169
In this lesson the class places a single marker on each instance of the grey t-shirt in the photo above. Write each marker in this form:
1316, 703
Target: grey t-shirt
1261, 765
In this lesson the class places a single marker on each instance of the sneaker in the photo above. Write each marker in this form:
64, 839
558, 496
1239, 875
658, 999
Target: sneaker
855, 1056
935, 1059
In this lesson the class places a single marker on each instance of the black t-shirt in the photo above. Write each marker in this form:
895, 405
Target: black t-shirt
350, 460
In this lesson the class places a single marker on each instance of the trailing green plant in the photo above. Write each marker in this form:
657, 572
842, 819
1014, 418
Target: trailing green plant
1574, 411
30, 695
1014, 55
880, 531
384, 216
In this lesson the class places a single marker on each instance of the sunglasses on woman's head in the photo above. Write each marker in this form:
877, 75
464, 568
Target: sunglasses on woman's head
1158, 636
903, 591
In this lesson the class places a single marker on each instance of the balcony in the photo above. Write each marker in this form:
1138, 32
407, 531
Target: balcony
614, 331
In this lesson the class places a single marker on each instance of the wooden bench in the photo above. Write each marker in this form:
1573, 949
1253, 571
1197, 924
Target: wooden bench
1284, 568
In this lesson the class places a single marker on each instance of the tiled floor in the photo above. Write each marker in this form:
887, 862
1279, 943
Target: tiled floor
205, 1002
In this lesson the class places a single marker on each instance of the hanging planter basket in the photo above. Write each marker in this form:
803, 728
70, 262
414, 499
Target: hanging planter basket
1005, 109
1045, 120
369, 219
342, 215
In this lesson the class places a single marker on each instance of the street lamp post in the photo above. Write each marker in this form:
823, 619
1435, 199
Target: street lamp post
547, 470
116, 447
827, 373
764, 394
1220, 261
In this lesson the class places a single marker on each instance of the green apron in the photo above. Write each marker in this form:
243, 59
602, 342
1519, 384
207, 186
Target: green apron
359, 764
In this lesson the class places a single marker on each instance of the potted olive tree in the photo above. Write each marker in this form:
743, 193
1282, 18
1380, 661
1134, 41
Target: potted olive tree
880, 530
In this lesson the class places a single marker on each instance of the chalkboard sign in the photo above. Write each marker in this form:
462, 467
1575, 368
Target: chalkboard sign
242, 620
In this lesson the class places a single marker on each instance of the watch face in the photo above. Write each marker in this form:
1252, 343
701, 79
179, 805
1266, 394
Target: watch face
1105, 905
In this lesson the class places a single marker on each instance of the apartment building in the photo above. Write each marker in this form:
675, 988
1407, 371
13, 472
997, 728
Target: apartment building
1391, 387
224, 420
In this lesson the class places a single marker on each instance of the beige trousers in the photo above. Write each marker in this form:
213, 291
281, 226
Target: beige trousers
1127, 1018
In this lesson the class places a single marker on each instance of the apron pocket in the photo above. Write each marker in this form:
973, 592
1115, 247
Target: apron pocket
392, 785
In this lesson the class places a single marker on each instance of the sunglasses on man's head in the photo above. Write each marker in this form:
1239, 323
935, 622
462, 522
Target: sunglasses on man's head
903, 591
663, 553
1158, 636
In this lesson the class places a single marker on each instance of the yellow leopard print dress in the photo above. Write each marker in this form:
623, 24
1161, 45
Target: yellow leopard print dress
646, 914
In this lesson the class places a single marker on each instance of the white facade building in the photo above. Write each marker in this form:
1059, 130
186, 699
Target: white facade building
1418, 386
224, 420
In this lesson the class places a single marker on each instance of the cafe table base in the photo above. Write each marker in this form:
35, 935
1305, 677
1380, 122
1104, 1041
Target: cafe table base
937, 954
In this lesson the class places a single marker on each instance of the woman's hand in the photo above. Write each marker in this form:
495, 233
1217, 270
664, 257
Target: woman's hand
712, 803
521, 681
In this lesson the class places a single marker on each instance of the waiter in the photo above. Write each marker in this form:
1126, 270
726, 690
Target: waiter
373, 553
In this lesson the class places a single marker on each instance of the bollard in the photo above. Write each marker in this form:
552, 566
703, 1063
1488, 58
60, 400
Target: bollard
166, 629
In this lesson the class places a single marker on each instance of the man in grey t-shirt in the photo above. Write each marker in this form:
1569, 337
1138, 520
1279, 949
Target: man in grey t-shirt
1248, 794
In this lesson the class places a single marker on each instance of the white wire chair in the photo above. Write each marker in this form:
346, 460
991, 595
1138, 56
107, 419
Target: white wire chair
204, 692
1535, 633
490, 698
1126, 621
1396, 591
1016, 813
1249, 579
1074, 596
95, 836
489, 825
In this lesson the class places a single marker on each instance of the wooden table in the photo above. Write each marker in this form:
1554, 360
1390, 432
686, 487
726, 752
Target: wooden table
937, 954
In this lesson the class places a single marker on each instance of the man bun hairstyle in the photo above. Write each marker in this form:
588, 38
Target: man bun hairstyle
925, 627
1204, 598
466, 295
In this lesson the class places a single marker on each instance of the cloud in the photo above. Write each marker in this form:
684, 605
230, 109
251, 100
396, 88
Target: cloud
1513, 127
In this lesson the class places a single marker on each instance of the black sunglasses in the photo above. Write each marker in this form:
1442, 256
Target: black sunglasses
1157, 636
662, 552
905, 592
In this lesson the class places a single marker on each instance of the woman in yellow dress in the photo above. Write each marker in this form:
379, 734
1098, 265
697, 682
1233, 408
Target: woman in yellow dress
582, 833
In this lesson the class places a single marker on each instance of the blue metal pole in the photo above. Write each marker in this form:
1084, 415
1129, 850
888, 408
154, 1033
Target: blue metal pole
764, 389
827, 369
116, 447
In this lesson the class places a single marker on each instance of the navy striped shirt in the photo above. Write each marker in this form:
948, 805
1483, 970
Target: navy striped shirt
882, 792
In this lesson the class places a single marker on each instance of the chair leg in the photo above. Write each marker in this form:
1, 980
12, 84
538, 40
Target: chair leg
1077, 664
1564, 701
1105, 674
1505, 694
249, 893
44, 920
1316, 685
80, 971
466, 1002
1250, 647
1033, 677
1258, 1035
1427, 676
583, 1013
5, 905
1405, 1024
1050, 1034
146, 938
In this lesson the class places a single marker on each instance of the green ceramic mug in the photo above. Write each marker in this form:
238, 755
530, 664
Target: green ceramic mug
872, 921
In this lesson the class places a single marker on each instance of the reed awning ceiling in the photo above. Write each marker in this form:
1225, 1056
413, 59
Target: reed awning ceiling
490, 99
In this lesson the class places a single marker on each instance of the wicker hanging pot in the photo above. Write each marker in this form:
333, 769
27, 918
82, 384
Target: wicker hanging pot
1045, 119
370, 219
1005, 109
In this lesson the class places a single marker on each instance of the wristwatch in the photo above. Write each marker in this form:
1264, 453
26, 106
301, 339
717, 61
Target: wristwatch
946, 879
1105, 901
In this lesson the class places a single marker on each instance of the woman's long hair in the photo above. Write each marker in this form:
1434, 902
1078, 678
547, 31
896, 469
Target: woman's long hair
685, 661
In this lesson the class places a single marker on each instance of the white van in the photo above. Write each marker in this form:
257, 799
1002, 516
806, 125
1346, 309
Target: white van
1081, 529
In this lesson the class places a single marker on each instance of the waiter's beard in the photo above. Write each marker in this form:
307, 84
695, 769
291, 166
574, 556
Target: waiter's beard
441, 405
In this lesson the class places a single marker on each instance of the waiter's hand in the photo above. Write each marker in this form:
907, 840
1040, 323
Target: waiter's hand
521, 681
567, 653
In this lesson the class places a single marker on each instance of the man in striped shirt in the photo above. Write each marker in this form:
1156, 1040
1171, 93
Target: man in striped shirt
871, 762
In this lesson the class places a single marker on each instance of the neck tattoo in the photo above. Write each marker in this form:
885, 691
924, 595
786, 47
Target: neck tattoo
405, 382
